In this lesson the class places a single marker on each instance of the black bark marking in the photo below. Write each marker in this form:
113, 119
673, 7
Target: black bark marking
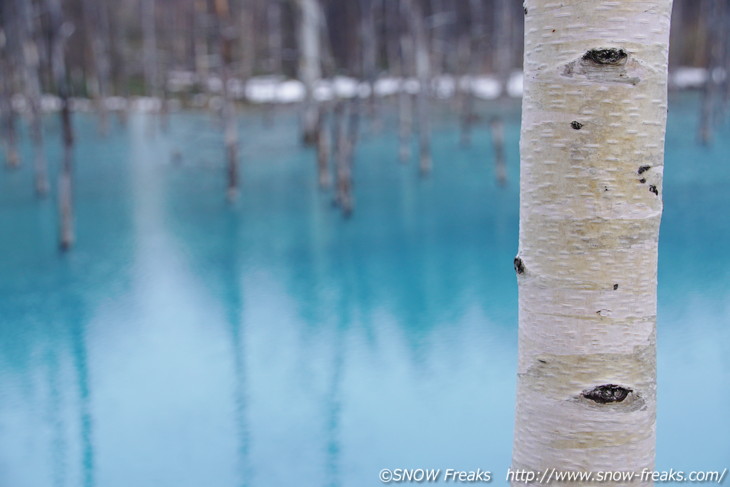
525, 10
519, 266
615, 286
576, 125
607, 393
643, 169
610, 56
653, 189
606, 65
642, 180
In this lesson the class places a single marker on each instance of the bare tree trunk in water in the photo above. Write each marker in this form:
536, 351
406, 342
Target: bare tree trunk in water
323, 151
725, 88
247, 37
201, 34
347, 131
500, 164
10, 133
119, 48
502, 50
8, 65
31, 58
97, 28
65, 173
150, 55
369, 56
226, 32
475, 40
592, 158
714, 14
463, 88
274, 49
423, 73
310, 70
274, 39
405, 99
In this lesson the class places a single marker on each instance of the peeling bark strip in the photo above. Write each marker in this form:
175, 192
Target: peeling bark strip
586, 394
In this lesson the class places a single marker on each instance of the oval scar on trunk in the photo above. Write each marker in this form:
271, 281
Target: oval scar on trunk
607, 393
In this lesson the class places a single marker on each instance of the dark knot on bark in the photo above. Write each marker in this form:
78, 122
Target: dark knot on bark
609, 56
519, 266
607, 393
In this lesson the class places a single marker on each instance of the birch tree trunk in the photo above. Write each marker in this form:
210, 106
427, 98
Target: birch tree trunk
592, 149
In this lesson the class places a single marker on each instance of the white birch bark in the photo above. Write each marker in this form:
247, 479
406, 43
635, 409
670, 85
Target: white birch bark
592, 151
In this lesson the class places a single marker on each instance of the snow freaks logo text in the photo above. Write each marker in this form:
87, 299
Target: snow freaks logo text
403, 475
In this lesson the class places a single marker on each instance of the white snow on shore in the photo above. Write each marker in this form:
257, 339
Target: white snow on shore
281, 90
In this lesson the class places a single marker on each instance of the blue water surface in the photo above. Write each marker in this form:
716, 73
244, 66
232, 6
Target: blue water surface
188, 342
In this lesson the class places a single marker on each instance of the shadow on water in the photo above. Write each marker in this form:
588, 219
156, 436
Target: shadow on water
74, 327
233, 301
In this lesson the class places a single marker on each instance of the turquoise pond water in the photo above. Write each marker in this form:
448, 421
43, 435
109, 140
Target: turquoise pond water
187, 343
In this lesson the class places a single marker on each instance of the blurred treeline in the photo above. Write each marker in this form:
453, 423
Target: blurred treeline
130, 47
413, 50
